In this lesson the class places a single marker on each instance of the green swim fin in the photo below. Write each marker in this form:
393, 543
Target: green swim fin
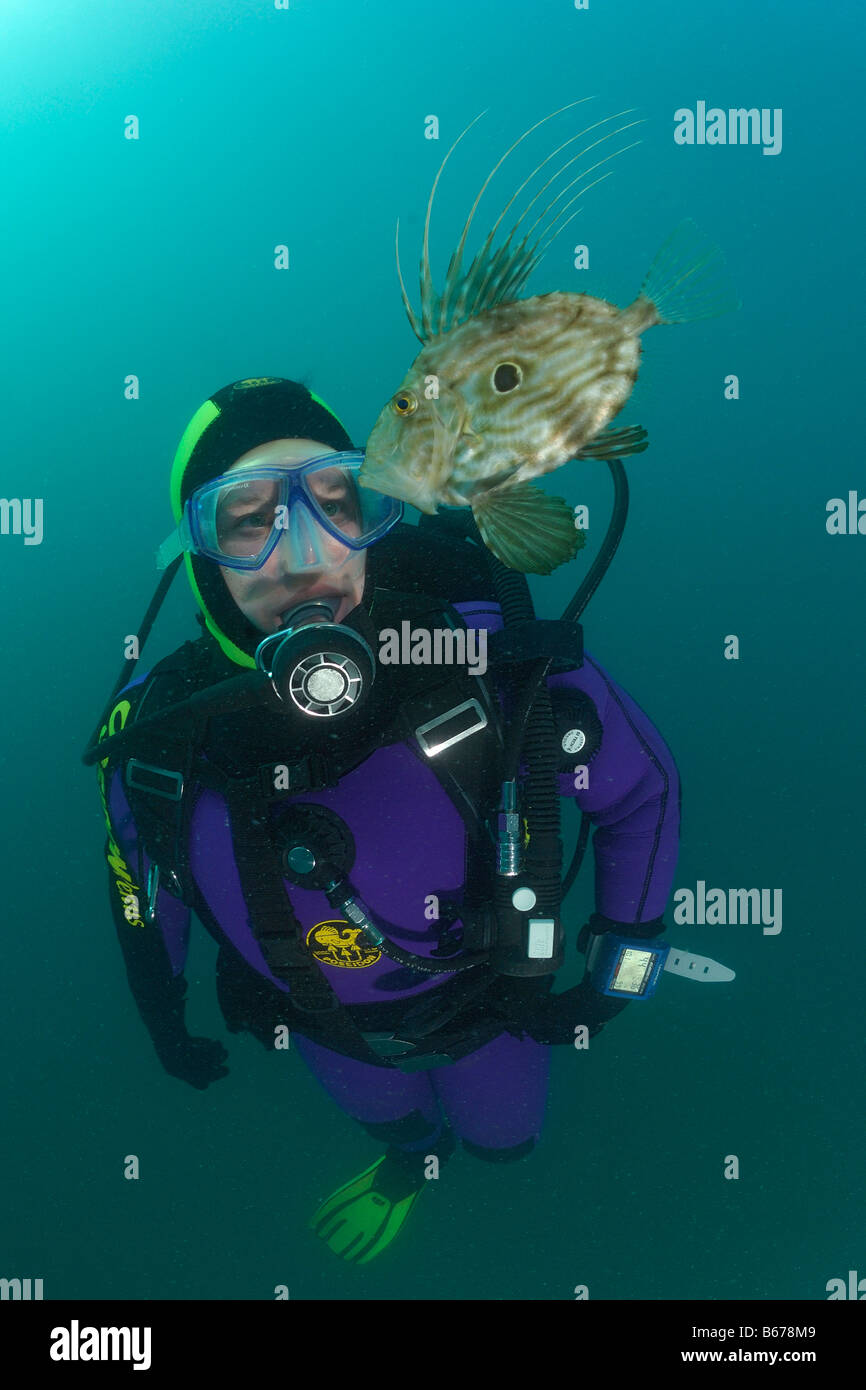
363, 1216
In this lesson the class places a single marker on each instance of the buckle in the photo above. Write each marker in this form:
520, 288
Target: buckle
424, 1062
156, 884
460, 720
387, 1044
163, 782
152, 894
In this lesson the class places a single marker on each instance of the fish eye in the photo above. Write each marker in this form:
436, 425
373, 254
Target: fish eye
506, 377
404, 403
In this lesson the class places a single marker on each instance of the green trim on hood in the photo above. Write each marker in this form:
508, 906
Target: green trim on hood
325, 406
191, 435
233, 652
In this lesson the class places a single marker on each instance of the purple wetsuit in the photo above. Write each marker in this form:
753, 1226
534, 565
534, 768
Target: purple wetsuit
411, 843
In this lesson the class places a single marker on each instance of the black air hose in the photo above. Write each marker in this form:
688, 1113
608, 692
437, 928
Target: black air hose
531, 738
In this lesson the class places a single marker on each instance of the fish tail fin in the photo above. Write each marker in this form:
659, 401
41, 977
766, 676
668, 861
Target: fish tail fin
687, 280
526, 529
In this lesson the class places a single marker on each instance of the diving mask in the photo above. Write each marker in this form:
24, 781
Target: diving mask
317, 508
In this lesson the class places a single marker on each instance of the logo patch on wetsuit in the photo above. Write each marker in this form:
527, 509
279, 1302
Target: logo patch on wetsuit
336, 943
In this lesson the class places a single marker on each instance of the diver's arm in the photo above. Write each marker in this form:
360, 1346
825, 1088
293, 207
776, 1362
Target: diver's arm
154, 953
631, 791
632, 795
158, 993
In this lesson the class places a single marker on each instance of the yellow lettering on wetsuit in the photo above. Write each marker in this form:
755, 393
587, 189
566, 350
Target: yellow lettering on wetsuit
122, 877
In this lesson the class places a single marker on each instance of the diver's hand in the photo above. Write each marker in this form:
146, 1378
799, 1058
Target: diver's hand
199, 1061
554, 1019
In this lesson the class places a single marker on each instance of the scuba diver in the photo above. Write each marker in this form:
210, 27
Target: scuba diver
375, 846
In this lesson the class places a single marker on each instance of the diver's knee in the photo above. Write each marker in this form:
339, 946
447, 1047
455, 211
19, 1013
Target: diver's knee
501, 1155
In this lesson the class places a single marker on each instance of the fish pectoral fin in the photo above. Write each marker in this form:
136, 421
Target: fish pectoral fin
616, 441
526, 529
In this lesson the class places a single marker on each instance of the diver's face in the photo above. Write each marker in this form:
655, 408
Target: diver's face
263, 595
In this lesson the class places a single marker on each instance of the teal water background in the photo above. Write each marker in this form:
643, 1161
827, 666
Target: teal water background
155, 257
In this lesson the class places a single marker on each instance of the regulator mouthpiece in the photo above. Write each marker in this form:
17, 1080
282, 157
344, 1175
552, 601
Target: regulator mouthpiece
316, 666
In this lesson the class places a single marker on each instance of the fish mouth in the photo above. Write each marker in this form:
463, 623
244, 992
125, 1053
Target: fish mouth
375, 476
379, 460
392, 478
416, 465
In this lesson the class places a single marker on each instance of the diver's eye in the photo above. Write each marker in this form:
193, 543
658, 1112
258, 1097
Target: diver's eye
404, 403
254, 521
506, 377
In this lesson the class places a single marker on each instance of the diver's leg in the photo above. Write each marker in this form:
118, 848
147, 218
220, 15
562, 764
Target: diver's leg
495, 1098
399, 1110
377, 1097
